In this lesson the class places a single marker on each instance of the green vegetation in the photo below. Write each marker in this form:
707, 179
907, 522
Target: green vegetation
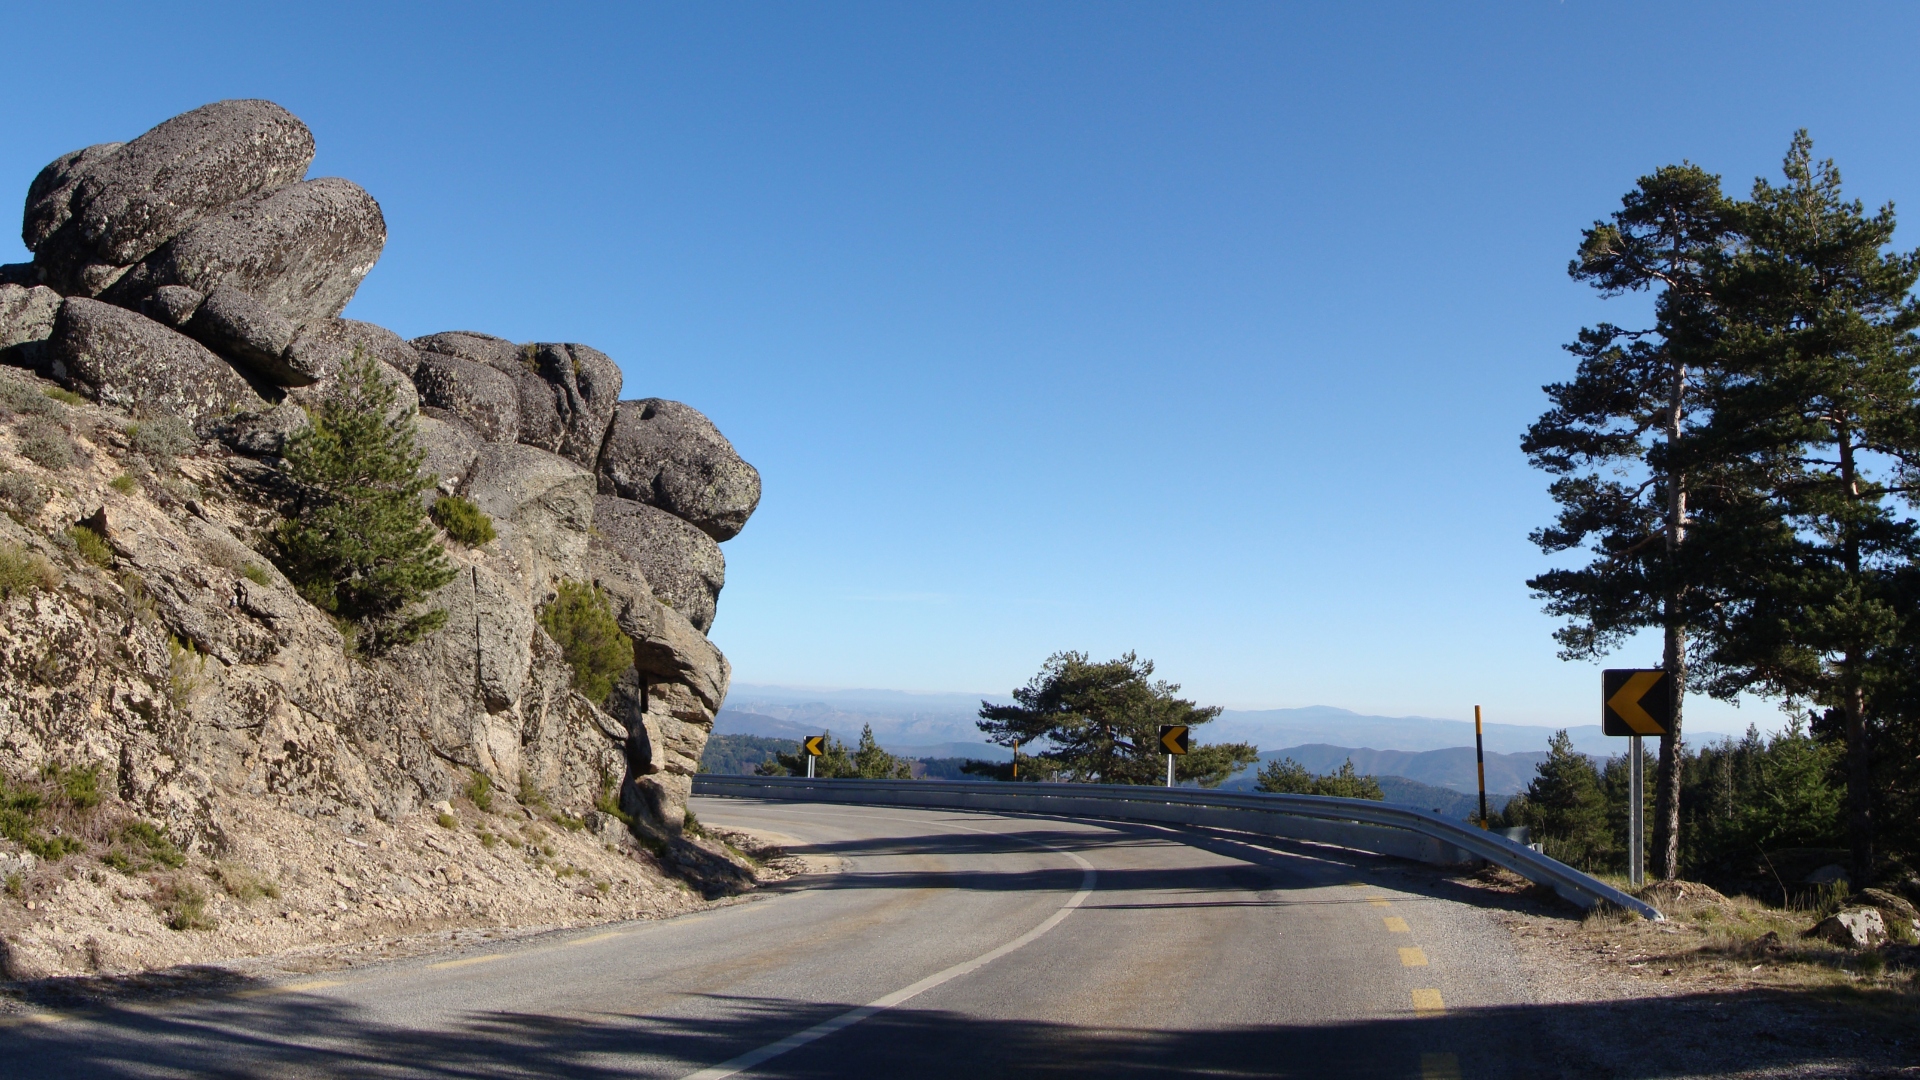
737, 755
1100, 723
162, 438
357, 544
446, 821
21, 809
80, 786
1739, 474
479, 792
1288, 777
46, 444
63, 395
244, 884
138, 846
867, 760
580, 620
183, 905
186, 670
91, 546
256, 573
21, 570
21, 494
124, 483
463, 520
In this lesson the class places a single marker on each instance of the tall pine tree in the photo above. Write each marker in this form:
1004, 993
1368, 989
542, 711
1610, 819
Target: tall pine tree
1816, 393
1614, 439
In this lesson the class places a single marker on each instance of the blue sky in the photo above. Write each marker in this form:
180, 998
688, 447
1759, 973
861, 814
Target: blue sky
1207, 331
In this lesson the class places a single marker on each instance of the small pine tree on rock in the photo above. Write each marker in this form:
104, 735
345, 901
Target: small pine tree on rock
357, 543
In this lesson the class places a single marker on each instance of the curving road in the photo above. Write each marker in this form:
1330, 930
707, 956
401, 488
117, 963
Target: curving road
946, 945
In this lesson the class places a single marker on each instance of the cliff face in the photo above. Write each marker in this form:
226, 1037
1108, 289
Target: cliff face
186, 286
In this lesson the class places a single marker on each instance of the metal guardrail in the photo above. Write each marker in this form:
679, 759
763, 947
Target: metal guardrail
1381, 828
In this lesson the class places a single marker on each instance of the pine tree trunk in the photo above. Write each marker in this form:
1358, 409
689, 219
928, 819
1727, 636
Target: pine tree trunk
1666, 784
1666, 781
1859, 785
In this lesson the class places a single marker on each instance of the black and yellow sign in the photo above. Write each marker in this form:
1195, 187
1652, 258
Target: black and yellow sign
814, 745
1174, 738
1639, 701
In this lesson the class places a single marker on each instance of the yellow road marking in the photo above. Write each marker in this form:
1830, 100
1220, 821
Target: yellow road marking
1379, 903
1439, 1067
1413, 958
1395, 924
469, 961
290, 988
1428, 1003
594, 938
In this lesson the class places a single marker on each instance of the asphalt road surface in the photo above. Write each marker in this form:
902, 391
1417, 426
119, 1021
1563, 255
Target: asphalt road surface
946, 945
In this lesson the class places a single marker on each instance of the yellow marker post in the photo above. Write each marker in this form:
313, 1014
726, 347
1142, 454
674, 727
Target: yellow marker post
1480, 759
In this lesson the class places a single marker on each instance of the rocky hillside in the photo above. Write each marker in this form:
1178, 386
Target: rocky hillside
177, 325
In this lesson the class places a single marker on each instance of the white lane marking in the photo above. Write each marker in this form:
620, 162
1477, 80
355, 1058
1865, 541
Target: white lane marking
746, 1061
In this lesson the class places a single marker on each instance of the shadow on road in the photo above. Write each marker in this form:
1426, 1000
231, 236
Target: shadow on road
313, 1036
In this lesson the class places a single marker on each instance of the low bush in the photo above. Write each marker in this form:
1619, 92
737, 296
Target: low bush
580, 620
80, 786
124, 483
183, 905
139, 846
245, 885
91, 546
162, 438
46, 445
22, 570
21, 494
64, 395
480, 792
464, 520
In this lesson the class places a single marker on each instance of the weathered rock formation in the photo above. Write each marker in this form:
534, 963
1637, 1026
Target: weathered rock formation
196, 273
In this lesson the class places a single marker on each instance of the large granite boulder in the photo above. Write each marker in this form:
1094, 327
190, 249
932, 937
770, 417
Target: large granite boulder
122, 358
26, 320
541, 505
567, 397
488, 632
682, 565
114, 205
248, 331
301, 250
481, 396
175, 305
322, 345
451, 448
669, 455
495, 352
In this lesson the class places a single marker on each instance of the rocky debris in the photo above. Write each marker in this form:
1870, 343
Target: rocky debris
1892, 906
567, 397
451, 446
482, 397
301, 251
251, 332
174, 305
542, 506
682, 565
113, 206
122, 358
1852, 928
669, 455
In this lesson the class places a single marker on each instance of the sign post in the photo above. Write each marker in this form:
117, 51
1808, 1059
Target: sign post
1176, 741
815, 747
1639, 702
1480, 761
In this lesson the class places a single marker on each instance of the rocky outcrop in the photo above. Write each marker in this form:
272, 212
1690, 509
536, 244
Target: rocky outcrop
682, 565
122, 358
567, 397
111, 206
301, 251
193, 273
482, 397
668, 455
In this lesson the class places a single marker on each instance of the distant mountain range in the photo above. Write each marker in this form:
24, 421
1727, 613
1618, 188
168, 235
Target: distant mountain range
908, 723
1451, 769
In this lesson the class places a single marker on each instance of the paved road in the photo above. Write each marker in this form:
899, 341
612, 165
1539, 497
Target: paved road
948, 945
